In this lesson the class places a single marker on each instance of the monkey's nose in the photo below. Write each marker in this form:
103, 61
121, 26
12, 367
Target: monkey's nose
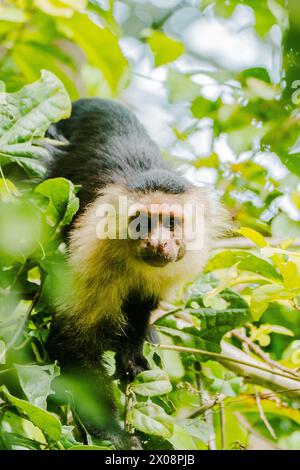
152, 243
161, 246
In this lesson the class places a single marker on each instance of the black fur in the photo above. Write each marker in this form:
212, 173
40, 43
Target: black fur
104, 143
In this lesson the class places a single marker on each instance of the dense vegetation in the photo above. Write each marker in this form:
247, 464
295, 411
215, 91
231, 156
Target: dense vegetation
226, 373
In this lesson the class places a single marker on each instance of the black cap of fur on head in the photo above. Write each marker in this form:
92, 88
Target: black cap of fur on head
165, 181
103, 143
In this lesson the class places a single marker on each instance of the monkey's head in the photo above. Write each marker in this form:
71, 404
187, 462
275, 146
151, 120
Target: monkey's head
168, 218
156, 220
157, 235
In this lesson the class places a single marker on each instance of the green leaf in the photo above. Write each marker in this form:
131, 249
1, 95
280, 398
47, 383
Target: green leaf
220, 380
189, 337
202, 107
151, 419
209, 324
181, 439
63, 8
151, 383
291, 161
255, 72
26, 115
47, 422
100, 46
7, 190
29, 112
263, 295
164, 48
63, 202
290, 442
20, 432
245, 261
254, 236
196, 427
180, 87
31, 57
36, 382
214, 323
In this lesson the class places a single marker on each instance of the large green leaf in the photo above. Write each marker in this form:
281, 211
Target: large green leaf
196, 427
151, 383
181, 439
26, 115
36, 382
220, 380
164, 48
63, 203
214, 323
208, 324
47, 422
31, 57
150, 419
188, 337
100, 46
245, 261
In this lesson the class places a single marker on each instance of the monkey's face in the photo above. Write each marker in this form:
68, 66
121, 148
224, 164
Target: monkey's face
159, 240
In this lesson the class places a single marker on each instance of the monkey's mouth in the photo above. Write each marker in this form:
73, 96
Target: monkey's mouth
157, 261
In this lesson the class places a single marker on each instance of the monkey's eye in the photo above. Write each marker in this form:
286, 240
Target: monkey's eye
170, 221
141, 223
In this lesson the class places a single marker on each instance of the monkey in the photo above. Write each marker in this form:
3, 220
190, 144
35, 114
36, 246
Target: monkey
117, 281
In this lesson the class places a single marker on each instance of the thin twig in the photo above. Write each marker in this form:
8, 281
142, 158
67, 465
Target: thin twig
210, 404
262, 413
222, 423
206, 404
260, 353
268, 445
128, 404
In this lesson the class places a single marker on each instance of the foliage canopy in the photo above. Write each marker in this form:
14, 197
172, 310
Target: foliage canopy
230, 121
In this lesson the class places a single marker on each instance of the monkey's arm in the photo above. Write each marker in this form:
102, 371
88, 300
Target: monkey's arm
130, 360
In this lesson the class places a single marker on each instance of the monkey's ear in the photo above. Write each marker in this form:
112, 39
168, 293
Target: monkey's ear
217, 217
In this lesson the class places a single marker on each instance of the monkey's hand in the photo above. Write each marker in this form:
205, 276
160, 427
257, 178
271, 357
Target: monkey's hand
129, 365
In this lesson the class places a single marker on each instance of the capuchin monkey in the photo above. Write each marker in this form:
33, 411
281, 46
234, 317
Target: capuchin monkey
123, 260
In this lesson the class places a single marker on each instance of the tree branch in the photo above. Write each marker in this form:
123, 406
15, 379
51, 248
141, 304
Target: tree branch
241, 242
248, 367
253, 372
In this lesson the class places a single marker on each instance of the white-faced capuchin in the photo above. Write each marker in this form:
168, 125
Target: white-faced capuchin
122, 268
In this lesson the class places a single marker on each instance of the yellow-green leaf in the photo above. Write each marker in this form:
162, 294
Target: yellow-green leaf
254, 236
164, 48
